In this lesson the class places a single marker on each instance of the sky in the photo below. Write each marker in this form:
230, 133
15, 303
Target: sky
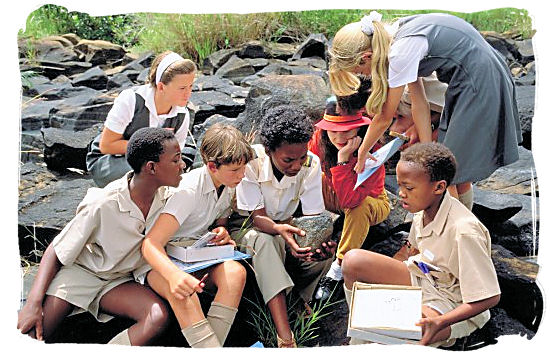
14, 19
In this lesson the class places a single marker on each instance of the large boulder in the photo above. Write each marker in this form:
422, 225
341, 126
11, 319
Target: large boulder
525, 97
49, 49
252, 49
305, 91
235, 69
316, 45
100, 52
94, 78
208, 103
67, 149
217, 59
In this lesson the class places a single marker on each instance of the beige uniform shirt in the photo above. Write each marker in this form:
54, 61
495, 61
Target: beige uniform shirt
106, 234
261, 189
195, 204
458, 243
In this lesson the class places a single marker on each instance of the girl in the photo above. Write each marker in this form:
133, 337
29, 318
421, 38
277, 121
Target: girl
335, 142
159, 103
480, 106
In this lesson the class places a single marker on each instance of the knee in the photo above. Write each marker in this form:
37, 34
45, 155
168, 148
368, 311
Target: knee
236, 273
158, 315
353, 262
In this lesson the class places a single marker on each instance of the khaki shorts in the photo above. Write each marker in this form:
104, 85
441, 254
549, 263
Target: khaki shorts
83, 289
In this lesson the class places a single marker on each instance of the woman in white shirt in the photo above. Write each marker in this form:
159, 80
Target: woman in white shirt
159, 103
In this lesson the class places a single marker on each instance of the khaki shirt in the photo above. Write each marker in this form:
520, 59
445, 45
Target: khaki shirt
261, 189
458, 243
195, 204
106, 234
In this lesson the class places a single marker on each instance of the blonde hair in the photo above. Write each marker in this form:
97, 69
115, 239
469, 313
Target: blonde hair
224, 144
184, 66
348, 46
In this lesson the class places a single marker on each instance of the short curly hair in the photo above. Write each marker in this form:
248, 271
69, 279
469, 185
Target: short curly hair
435, 158
349, 105
285, 124
146, 144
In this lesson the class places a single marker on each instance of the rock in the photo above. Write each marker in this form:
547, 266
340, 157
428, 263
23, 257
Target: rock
281, 51
315, 45
200, 129
77, 118
493, 207
252, 49
73, 38
119, 81
514, 178
94, 78
521, 296
499, 42
525, 96
216, 60
211, 83
35, 113
142, 77
32, 146
257, 63
64, 148
65, 42
69, 68
235, 69
208, 103
526, 80
315, 62
29, 81
100, 52
318, 229
525, 51
390, 245
46, 49
305, 91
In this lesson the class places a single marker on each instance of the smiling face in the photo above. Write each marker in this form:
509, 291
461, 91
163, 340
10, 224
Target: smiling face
170, 165
229, 175
288, 158
178, 91
416, 191
340, 139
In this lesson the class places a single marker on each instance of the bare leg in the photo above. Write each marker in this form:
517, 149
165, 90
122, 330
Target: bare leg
141, 304
54, 310
229, 277
277, 307
375, 268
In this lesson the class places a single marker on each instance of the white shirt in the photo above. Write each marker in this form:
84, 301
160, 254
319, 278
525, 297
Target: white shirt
195, 204
122, 112
404, 58
261, 189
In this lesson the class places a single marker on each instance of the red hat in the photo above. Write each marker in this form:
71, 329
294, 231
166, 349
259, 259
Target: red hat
342, 123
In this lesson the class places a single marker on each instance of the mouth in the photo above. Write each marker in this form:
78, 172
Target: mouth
292, 173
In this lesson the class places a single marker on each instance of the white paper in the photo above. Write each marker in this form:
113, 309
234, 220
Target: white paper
382, 155
399, 309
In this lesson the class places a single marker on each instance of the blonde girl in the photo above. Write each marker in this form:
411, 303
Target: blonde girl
161, 102
479, 122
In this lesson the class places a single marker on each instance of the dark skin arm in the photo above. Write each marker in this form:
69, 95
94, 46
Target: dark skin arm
30, 316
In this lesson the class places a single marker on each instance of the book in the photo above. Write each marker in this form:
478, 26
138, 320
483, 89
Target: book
385, 313
382, 155
194, 250
190, 267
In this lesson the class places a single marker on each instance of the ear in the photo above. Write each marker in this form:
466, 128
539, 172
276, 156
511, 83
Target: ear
149, 167
440, 187
211, 166
367, 55
160, 86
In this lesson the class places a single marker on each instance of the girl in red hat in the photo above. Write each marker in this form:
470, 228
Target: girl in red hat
336, 140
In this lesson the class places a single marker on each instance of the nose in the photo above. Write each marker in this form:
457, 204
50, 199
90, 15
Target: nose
400, 193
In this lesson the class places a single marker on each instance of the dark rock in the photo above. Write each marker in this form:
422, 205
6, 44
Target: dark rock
200, 129
94, 78
211, 83
119, 81
61, 79
525, 51
315, 62
305, 91
216, 60
29, 81
493, 207
35, 113
77, 118
257, 63
389, 245
235, 70
50, 72
514, 178
64, 148
283, 51
46, 49
208, 103
316, 45
252, 49
32, 146
318, 229
145, 59
100, 52
499, 42
48, 90
143, 75
73, 38
521, 296
527, 80
525, 96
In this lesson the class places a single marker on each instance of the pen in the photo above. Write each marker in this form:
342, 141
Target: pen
424, 268
200, 282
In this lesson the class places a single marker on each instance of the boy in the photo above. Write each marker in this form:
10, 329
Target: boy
202, 199
88, 266
283, 175
444, 233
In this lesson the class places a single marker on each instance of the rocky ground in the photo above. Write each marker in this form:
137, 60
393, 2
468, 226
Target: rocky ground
69, 85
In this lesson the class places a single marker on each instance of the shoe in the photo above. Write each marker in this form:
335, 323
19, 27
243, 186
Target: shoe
328, 286
281, 343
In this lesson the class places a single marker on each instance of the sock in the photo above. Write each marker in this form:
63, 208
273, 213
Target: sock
121, 339
353, 341
335, 271
467, 198
221, 318
201, 335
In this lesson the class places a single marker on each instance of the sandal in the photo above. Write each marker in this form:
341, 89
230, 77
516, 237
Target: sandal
281, 343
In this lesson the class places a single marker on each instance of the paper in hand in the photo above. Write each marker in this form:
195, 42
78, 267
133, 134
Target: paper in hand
382, 155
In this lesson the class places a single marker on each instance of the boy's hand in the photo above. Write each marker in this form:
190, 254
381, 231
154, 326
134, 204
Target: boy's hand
183, 285
362, 156
30, 317
287, 233
326, 251
430, 327
351, 145
222, 237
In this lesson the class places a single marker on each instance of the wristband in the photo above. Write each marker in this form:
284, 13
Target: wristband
343, 163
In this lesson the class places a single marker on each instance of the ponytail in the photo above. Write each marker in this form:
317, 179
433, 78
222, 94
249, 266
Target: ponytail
379, 69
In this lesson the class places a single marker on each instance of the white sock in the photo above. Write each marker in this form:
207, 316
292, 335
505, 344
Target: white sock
335, 271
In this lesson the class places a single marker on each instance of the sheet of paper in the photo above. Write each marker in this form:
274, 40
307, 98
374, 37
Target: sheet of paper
382, 155
393, 308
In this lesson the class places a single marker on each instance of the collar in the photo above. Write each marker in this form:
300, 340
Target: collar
438, 223
266, 170
125, 202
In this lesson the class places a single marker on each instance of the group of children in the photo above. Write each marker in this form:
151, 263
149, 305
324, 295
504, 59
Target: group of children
110, 259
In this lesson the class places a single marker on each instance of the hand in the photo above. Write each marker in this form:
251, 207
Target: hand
430, 327
183, 285
412, 133
362, 157
351, 145
287, 233
222, 237
326, 251
30, 317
